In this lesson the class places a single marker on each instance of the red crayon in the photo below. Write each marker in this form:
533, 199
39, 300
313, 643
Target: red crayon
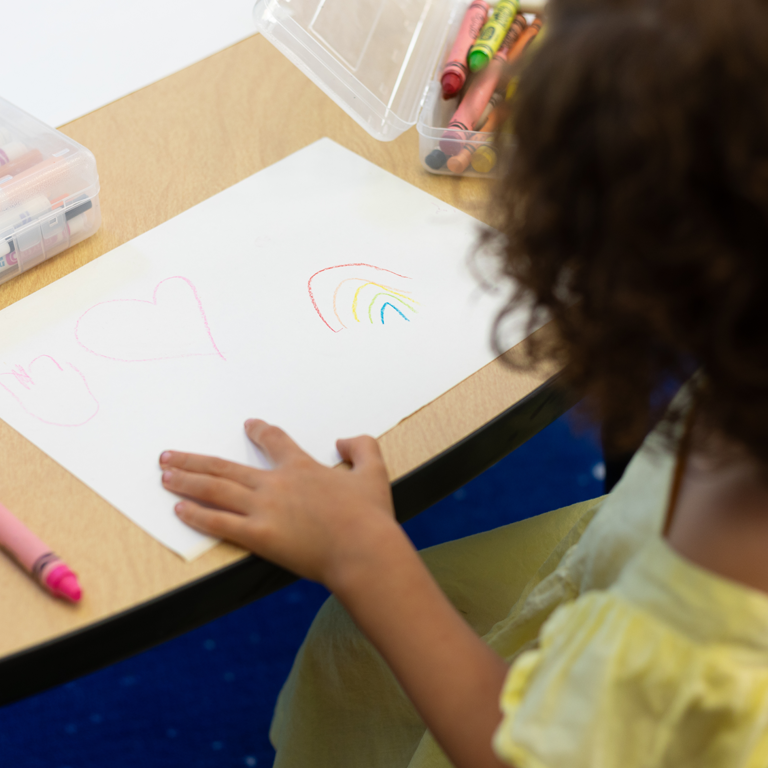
455, 71
468, 115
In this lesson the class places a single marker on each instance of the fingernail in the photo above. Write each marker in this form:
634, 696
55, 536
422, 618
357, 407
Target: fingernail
248, 422
180, 508
167, 475
165, 457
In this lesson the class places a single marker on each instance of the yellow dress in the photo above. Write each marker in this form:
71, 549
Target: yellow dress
624, 655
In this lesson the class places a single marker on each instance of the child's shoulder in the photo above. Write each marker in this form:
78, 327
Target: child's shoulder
720, 521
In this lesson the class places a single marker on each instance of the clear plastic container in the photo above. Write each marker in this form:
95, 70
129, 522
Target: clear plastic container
377, 59
49, 192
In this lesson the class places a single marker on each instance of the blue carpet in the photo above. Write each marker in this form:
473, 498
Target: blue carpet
205, 699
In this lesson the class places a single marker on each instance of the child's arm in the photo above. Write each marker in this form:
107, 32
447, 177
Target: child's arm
338, 528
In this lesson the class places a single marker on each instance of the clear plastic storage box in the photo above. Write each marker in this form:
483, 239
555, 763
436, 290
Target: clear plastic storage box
379, 60
49, 192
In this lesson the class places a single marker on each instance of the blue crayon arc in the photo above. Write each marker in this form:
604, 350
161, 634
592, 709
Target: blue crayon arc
387, 304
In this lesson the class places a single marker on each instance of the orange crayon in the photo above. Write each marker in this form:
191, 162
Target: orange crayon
525, 39
468, 115
455, 71
459, 163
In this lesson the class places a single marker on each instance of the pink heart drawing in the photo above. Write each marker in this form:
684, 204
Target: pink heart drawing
51, 393
169, 325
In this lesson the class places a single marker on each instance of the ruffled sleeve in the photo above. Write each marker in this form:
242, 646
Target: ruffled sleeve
668, 668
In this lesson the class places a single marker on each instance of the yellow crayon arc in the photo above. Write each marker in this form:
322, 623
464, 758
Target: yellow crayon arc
400, 292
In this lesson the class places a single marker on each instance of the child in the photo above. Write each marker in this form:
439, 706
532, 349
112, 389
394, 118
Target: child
623, 632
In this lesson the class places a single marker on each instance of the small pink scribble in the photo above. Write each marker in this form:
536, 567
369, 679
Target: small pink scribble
52, 394
171, 324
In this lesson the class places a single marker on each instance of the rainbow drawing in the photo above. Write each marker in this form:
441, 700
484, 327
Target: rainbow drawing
346, 294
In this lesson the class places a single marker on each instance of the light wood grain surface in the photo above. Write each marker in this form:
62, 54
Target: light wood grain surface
160, 151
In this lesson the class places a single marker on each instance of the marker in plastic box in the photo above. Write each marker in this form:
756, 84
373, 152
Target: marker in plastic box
17, 218
11, 151
36, 558
32, 170
21, 215
492, 35
19, 188
52, 236
20, 164
455, 71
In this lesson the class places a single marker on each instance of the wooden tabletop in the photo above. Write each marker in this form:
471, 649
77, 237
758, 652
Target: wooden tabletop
160, 151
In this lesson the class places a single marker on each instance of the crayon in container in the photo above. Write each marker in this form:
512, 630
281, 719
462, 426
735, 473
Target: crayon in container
380, 60
49, 192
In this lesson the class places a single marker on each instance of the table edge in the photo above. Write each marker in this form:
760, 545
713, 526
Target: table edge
62, 659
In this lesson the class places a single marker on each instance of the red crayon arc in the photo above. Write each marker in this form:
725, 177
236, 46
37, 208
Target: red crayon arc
340, 266
466, 117
456, 71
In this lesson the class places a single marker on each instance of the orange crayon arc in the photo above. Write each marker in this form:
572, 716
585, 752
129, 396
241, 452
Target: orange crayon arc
357, 279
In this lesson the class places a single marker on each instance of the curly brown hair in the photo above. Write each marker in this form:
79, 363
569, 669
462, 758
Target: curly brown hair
635, 206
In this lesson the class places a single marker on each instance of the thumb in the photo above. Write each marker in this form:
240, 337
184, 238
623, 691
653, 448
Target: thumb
361, 452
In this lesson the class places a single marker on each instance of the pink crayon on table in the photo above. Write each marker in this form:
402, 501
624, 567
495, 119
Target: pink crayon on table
456, 71
468, 115
36, 558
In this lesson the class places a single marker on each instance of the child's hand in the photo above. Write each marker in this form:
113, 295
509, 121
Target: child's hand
311, 519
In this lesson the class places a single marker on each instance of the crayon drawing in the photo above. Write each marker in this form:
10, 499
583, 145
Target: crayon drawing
54, 394
256, 274
171, 324
347, 294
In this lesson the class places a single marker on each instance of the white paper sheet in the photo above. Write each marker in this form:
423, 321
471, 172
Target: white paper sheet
322, 294
63, 60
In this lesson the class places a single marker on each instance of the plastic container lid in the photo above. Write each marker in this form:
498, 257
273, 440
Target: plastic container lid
374, 58
49, 190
